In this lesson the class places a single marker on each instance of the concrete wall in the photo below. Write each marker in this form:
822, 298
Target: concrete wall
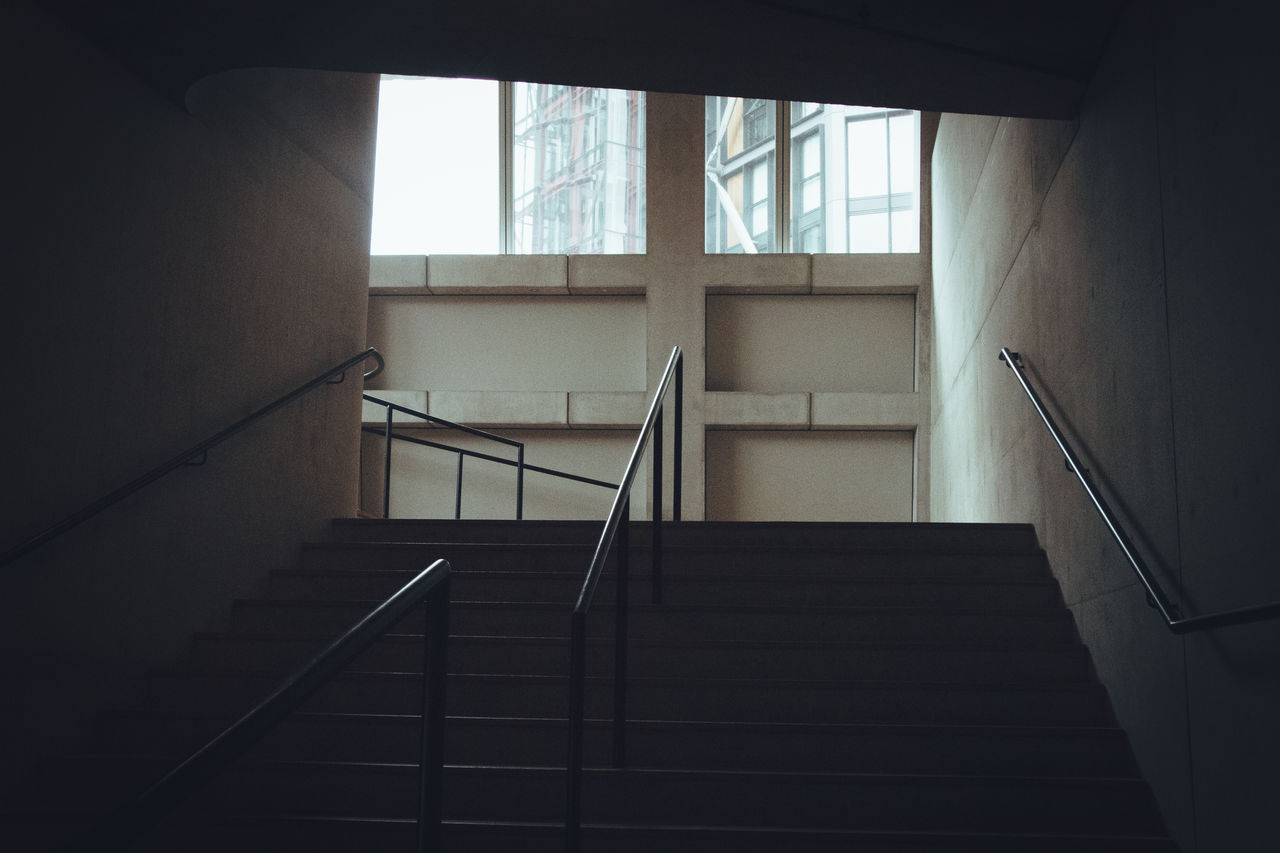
166, 272
1128, 256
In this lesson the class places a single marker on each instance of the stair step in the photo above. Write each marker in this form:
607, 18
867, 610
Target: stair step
748, 700
716, 534
950, 662
343, 834
663, 797
980, 750
702, 588
676, 622
740, 559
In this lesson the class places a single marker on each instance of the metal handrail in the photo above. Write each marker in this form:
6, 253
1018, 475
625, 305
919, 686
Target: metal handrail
1173, 617
188, 777
479, 433
185, 458
614, 527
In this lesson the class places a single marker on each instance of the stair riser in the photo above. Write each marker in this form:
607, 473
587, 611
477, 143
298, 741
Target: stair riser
530, 586
738, 562
326, 837
498, 657
889, 750
672, 624
906, 537
547, 697
835, 802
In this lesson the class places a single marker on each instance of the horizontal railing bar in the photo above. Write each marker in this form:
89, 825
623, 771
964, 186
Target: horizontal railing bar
396, 407
1175, 621
183, 780
135, 485
489, 458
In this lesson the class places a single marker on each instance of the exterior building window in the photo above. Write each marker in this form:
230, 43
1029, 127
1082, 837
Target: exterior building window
571, 161
883, 181
586, 146
851, 183
740, 171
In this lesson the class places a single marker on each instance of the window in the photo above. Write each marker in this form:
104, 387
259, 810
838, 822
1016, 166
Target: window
573, 159
740, 175
850, 183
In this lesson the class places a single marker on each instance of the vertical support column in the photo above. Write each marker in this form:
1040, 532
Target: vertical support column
520, 483
386, 471
678, 460
622, 600
655, 559
434, 680
573, 765
457, 492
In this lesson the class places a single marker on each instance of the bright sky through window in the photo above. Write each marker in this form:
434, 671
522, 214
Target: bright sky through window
422, 123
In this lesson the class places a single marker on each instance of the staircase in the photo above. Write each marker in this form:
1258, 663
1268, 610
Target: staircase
804, 687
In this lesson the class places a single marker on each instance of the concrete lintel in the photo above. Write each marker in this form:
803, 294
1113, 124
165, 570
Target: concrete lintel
869, 273
607, 409
498, 274
773, 273
534, 409
866, 410
372, 413
746, 410
397, 271
608, 273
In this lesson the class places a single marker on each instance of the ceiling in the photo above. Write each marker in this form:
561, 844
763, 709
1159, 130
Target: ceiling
989, 56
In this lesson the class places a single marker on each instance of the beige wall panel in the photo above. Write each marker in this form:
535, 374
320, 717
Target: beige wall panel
869, 273
608, 273
867, 411
772, 273
476, 343
423, 479
515, 408
377, 414
497, 274
773, 476
607, 409
398, 271
810, 343
745, 410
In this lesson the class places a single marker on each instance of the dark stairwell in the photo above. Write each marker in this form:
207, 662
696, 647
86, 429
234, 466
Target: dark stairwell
803, 687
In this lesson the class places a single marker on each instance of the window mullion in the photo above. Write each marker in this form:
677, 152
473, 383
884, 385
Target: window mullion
506, 178
782, 174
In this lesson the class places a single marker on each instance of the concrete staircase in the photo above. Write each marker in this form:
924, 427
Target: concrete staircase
804, 687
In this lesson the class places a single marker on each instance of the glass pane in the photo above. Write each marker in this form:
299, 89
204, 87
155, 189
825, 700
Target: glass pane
811, 197
435, 185
869, 232
739, 167
810, 160
578, 169
868, 158
906, 230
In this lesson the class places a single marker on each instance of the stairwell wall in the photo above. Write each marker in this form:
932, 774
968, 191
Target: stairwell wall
1127, 256
167, 271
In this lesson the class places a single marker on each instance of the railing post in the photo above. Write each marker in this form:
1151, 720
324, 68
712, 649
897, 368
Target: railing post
434, 681
386, 472
520, 482
656, 559
457, 492
622, 597
678, 460
573, 767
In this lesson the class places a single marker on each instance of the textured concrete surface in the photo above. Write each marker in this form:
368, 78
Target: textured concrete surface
169, 272
1126, 256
